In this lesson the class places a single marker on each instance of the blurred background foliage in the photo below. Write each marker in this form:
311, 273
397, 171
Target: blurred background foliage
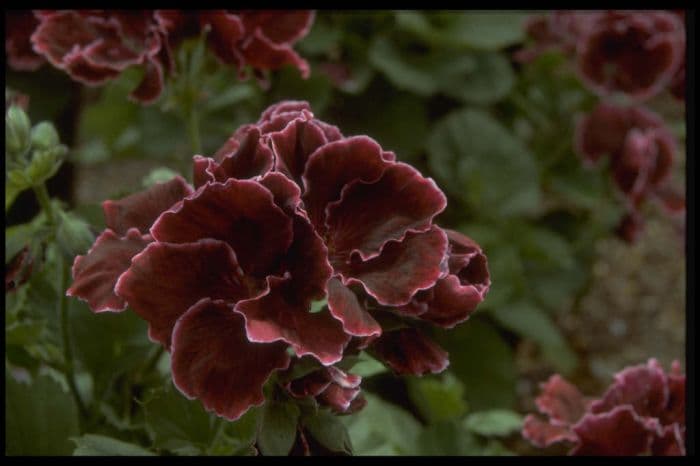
441, 90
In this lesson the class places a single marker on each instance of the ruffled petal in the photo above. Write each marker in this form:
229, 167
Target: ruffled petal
345, 307
294, 144
279, 315
401, 201
166, 279
240, 212
333, 166
642, 387
226, 30
451, 302
282, 27
244, 157
408, 351
96, 273
670, 442
19, 26
619, 432
402, 269
151, 85
543, 434
285, 192
141, 209
263, 54
561, 401
208, 341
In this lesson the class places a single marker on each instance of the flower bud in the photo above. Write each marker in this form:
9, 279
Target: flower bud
17, 128
44, 136
73, 235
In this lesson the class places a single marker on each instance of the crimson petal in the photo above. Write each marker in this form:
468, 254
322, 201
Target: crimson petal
96, 273
619, 432
345, 307
166, 279
402, 201
543, 434
279, 315
402, 269
240, 212
141, 209
408, 351
208, 342
561, 401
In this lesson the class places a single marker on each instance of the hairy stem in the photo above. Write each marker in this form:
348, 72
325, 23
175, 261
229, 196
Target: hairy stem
42, 195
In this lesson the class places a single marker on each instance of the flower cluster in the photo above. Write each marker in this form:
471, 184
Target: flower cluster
95, 46
638, 53
295, 241
641, 151
641, 413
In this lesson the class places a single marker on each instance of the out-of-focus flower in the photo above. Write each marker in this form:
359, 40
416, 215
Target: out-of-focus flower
641, 413
559, 30
636, 53
289, 212
19, 25
641, 151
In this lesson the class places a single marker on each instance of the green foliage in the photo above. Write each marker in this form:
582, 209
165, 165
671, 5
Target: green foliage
40, 417
278, 428
438, 398
329, 431
498, 422
99, 445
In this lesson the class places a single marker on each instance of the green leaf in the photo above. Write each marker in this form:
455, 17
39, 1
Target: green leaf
544, 245
327, 429
437, 398
23, 333
15, 182
39, 417
367, 366
278, 429
527, 320
99, 445
178, 424
479, 160
73, 234
483, 362
240, 435
413, 77
382, 428
496, 422
17, 133
446, 438
158, 175
491, 80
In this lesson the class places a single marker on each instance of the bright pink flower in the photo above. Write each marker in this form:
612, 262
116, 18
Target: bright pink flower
641, 413
632, 52
287, 213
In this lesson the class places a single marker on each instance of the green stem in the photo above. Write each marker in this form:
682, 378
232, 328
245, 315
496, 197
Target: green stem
42, 195
67, 349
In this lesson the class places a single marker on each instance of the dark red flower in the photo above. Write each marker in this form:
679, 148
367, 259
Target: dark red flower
641, 151
95, 46
641, 413
19, 25
636, 53
288, 213
559, 30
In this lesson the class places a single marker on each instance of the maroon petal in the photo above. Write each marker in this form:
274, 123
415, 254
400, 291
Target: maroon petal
401, 201
452, 303
619, 432
80, 69
240, 212
151, 86
339, 399
670, 443
96, 273
263, 54
294, 144
294, 107
208, 342
243, 156
333, 166
309, 385
561, 401
285, 192
543, 434
19, 26
141, 209
279, 315
166, 279
345, 307
675, 408
226, 30
642, 387
282, 27
402, 269
58, 34
409, 351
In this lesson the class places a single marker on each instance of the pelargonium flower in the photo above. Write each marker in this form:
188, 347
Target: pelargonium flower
19, 25
95, 46
636, 53
289, 213
261, 39
558, 30
641, 150
641, 413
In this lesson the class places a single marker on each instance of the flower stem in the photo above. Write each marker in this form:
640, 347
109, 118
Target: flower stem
67, 349
42, 195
